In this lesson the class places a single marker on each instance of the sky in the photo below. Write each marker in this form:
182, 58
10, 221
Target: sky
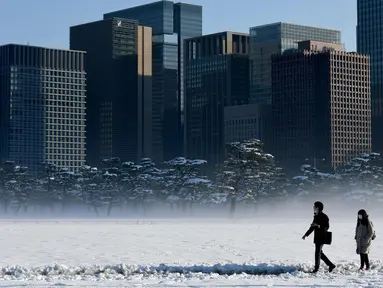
47, 22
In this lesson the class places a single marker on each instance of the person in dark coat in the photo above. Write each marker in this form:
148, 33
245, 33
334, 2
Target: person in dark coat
364, 234
319, 226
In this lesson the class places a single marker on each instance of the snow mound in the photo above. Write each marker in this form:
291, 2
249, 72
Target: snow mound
126, 272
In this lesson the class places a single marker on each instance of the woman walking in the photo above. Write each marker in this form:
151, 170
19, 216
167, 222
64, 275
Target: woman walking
364, 234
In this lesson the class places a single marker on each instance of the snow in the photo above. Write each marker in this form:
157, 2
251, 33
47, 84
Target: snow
179, 253
197, 181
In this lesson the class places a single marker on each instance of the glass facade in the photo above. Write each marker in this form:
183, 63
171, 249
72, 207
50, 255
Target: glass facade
216, 75
119, 88
171, 23
369, 42
272, 39
26, 117
43, 95
206, 89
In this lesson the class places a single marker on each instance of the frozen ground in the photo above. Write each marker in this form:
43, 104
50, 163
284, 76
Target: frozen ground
221, 253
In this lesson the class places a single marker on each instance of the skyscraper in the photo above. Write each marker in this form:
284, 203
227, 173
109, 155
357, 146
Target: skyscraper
321, 105
369, 41
119, 106
42, 106
216, 75
275, 38
171, 23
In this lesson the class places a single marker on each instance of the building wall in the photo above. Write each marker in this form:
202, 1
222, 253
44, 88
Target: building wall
96, 39
242, 122
320, 46
145, 72
321, 106
212, 65
369, 42
119, 70
270, 39
350, 105
172, 23
43, 96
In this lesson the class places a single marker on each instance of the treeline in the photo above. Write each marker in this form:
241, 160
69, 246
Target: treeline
248, 176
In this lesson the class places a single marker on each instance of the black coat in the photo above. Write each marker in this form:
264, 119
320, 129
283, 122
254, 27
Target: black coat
319, 232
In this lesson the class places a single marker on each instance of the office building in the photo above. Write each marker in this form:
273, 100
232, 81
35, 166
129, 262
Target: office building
119, 70
42, 106
216, 75
369, 42
244, 122
275, 38
172, 23
321, 105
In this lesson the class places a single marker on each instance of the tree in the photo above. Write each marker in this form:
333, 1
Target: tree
16, 186
6, 194
45, 192
362, 177
248, 173
184, 181
313, 182
89, 183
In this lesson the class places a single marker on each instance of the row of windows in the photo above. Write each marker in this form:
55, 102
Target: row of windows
46, 81
65, 139
65, 115
46, 72
240, 122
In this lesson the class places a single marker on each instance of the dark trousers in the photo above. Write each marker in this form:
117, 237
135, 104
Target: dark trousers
364, 261
320, 255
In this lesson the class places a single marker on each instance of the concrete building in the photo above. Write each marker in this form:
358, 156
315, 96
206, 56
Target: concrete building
321, 105
216, 76
276, 38
244, 122
42, 106
172, 23
119, 106
369, 42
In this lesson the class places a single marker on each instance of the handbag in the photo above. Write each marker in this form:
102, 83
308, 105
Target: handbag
327, 238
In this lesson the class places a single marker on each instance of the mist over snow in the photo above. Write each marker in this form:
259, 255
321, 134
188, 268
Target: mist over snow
128, 223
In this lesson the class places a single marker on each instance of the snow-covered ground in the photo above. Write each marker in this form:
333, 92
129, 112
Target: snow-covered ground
194, 253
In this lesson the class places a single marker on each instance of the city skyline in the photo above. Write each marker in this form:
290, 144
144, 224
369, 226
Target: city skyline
170, 23
52, 30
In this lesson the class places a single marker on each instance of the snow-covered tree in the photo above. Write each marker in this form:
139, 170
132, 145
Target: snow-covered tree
16, 186
150, 184
311, 183
64, 186
185, 182
110, 190
89, 184
248, 173
363, 177
6, 195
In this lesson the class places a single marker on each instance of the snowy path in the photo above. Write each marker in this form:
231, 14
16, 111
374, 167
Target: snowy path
193, 254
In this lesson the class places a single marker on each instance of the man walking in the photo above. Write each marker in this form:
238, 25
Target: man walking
320, 226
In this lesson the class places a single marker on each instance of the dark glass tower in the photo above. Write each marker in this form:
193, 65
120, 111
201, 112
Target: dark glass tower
119, 71
42, 106
172, 23
370, 42
216, 76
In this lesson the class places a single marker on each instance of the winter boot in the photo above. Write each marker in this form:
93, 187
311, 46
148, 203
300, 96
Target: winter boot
331, 268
